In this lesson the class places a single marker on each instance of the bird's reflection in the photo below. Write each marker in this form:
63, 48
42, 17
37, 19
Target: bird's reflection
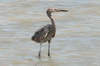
48, 62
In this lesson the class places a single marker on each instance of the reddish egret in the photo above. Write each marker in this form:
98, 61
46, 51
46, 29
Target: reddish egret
47, 32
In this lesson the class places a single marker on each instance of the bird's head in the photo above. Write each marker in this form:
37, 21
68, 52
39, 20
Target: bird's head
52, 10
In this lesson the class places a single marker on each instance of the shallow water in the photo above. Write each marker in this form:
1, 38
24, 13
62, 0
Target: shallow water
77, 41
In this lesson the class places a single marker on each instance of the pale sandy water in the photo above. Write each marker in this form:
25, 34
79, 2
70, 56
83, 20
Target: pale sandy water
77, 41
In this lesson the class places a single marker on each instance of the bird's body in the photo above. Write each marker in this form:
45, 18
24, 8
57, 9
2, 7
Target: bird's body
44, 34
47, 32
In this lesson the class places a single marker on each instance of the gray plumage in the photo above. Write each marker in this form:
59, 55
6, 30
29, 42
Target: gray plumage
42, 35
47, 32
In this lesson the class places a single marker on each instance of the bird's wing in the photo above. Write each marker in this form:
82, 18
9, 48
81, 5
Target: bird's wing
43, 32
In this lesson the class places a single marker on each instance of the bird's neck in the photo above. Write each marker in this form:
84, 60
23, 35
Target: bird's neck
50, 16
52, 21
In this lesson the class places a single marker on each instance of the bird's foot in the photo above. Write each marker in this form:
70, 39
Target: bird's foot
48, 54
39, 55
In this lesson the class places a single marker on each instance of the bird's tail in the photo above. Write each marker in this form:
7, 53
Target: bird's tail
32, 38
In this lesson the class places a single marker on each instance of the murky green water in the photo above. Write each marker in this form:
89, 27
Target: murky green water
77, 41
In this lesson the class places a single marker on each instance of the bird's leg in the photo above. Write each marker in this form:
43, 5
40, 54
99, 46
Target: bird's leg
39, 55
49, 47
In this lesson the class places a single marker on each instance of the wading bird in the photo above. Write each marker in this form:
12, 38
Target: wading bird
47, 32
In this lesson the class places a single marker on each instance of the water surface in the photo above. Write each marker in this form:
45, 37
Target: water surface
77, 41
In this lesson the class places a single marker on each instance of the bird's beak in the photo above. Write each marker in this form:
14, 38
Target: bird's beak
58, 10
